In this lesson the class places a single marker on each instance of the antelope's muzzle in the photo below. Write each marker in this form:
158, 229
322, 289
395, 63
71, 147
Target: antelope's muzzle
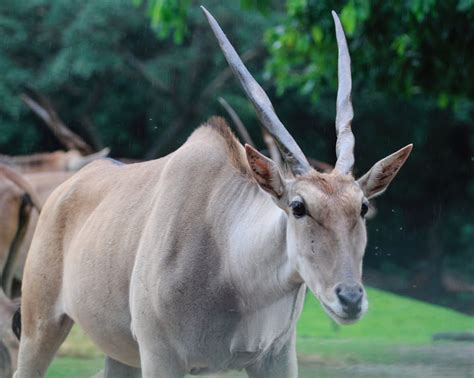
350, 296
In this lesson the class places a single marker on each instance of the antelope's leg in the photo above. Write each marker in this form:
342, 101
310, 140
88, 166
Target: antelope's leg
280, 365
44, 323
115, 369
159, 361
39, 342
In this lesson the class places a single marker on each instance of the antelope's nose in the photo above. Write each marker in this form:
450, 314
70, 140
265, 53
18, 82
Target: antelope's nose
350, 296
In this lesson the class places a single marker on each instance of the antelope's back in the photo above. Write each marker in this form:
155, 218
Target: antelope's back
107, 205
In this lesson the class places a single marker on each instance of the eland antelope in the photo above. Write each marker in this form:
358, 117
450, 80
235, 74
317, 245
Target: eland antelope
17, 200
199, 261
43, 184
57, 161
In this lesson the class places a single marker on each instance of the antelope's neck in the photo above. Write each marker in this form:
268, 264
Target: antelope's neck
256, 262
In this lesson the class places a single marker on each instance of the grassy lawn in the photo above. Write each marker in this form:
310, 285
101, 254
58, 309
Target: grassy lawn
390, 318
74, 367
396, 330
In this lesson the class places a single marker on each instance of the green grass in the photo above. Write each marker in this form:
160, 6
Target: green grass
391, 318
391, 324
79, 345
73, 367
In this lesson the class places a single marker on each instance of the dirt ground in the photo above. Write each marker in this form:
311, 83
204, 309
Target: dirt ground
451, 360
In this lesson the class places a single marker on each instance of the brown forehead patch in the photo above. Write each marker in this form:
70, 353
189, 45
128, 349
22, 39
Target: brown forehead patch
329, 183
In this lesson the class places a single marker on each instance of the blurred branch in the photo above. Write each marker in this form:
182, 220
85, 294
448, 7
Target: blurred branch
86, 120
140, 67
226, 74
41, 106
272, 148
191, 110
92, 132
239, 125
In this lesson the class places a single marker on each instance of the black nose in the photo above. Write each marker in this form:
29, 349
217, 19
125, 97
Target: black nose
350, 296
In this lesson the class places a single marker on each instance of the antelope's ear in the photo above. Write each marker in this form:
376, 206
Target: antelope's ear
374, 182
266, 172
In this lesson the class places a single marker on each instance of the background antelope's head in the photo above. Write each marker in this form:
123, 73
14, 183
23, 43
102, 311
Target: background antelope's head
326, 232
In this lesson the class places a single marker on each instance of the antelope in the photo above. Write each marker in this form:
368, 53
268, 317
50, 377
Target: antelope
57, 161
18, 219
78, 154
35, 176
17, 200
198, 262
42, 184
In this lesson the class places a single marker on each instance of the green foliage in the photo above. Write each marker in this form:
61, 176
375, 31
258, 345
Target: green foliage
408, 48
167, 17
409, 60
170, 17
100, 61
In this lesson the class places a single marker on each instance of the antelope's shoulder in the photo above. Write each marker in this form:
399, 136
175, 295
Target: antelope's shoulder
215, 141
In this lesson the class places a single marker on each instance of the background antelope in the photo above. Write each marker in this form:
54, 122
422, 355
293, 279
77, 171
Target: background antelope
25, 183
199, 261
17, 200
37, 175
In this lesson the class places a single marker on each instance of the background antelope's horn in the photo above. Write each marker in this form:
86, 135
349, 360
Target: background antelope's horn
77, 162
239, 125
344, 112
290, 150
22, 183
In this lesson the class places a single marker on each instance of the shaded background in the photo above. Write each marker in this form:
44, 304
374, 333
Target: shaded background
139, 76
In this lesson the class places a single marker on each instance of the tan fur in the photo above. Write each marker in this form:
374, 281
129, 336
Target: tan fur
329, 183
184, 265
17, 230
46, 172
56, 161
16, 199
42, 162
43, 183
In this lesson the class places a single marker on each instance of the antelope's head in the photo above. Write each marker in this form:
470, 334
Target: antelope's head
326, 232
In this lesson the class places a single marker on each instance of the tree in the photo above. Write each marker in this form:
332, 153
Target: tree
109, 77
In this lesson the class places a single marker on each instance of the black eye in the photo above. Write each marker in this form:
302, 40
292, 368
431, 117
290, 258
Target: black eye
299, 210
364, 208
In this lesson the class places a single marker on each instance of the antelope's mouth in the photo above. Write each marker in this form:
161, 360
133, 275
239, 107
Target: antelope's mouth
341, 318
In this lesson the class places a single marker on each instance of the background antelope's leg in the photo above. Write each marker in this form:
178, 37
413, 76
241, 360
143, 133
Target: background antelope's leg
40, 340
281, 365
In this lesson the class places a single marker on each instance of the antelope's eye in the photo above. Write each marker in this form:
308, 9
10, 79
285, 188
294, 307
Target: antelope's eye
299, 210
364, 208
